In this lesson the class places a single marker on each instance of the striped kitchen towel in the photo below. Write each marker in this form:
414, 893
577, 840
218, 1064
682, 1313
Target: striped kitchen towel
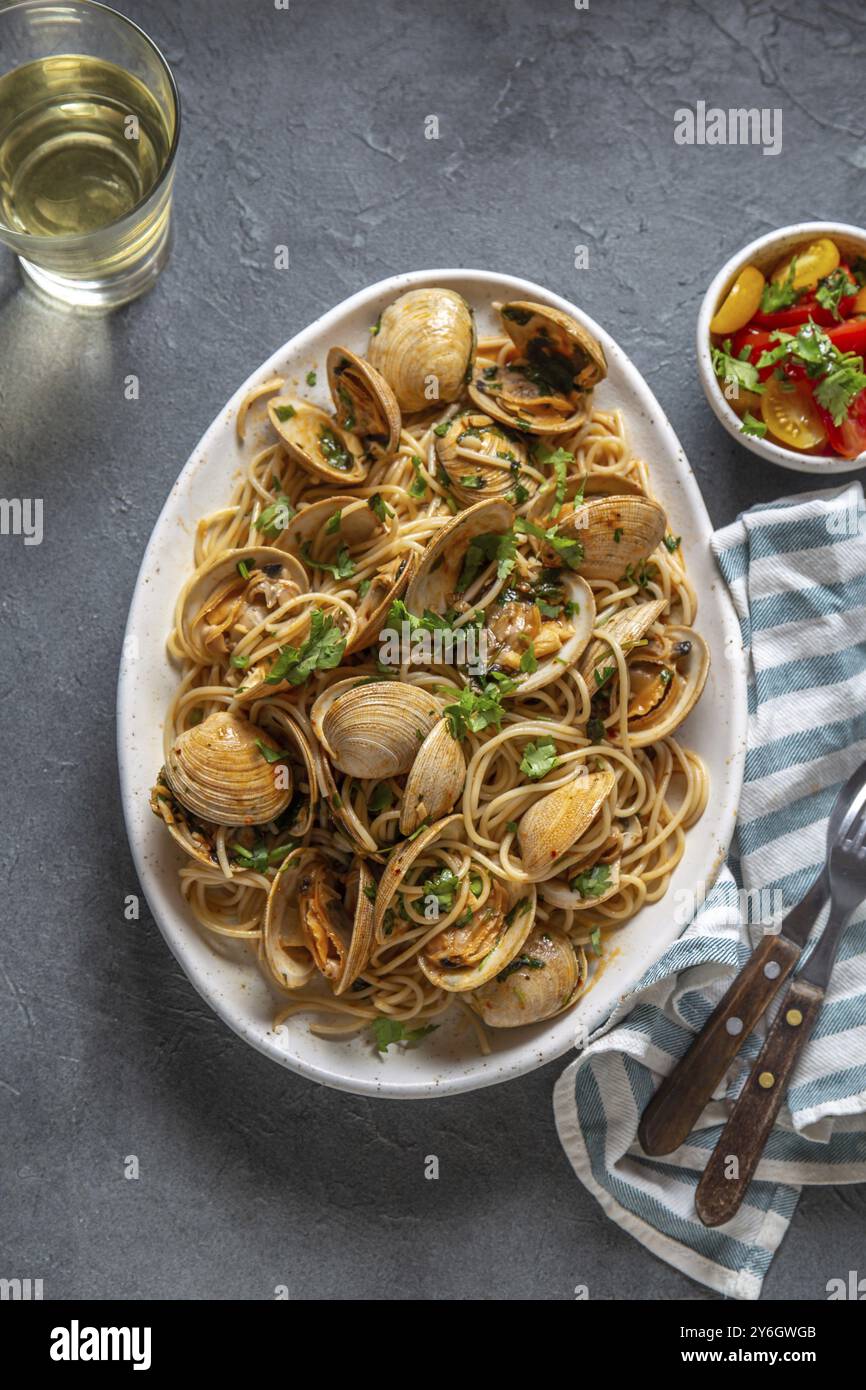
796, 571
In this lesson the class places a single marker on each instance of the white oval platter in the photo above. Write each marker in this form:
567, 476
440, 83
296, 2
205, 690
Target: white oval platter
447, 1061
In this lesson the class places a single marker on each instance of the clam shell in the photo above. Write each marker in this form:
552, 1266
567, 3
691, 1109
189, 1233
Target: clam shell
336, 918
639, 522
626, 627
294, 734
479, 458
374, 607
546, 985
514, 404
358, 527
435, 780
439, 569
219, 578
195, 838
399, 863
359, 902
365, 404
217, 771
554, 822
306, 431
425, 343
585, 485
517, 925
283, 948
582, 622
374, 730
539, 327
667, 718
359, 838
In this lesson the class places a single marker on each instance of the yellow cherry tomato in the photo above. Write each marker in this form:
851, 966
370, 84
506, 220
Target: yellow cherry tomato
813, 263
860, 302
791, 415
744, 401
740, 303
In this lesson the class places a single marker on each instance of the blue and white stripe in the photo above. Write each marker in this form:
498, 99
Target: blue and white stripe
796, 571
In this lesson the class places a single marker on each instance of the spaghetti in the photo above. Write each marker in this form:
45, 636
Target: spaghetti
475, 842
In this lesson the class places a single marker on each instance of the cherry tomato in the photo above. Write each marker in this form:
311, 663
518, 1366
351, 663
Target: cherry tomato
849, 438
813, 263
859, 304
758, 341
809, 308
850, 336
791, 415
740, 303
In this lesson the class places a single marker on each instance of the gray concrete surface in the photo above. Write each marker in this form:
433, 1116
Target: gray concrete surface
306, 127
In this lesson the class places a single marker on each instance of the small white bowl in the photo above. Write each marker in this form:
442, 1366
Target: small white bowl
765, 253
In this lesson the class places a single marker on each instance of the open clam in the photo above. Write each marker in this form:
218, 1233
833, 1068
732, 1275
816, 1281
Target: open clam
220, 770
318, 530
591, 881
479, 459
617, 533
233, 595
556, 821
627, 628
546, 386
196, 838
374, 730
578, 486
435, 779
423, 346
400, 861
543, 979
666, 678
388, 584
365, 404
552, 617
283, 947
440, 573
468, 953
315, 442
335, 913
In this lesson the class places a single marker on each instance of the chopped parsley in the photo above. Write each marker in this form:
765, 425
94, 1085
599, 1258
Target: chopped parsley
390, 1030
379, 507
342, 568
751, 425
782, 294
332, 450
322, 651
736, 369
568, 550
276, 517
592, 882
520, 963
672, 543
284, 412
418, 486
482, 551
311, 378
529, 661
474, 710
832, 289
538, 759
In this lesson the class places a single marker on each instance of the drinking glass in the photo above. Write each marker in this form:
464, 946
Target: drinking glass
89, 126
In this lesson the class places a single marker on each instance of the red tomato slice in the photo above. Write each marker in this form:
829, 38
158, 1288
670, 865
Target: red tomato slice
848, 439
757, 340
850, 336
808, 308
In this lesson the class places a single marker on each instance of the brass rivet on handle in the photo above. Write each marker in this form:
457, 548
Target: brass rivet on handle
794, 1017
767, 1080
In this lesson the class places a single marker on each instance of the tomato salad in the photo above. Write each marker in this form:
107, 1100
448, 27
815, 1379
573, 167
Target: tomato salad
789, 351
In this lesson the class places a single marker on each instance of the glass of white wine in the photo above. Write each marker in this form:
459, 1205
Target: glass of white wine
89, 125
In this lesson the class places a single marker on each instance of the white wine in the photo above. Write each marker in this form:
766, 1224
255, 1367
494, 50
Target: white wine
82, 143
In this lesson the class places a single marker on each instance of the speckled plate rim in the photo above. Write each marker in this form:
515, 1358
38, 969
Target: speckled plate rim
447, 1062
